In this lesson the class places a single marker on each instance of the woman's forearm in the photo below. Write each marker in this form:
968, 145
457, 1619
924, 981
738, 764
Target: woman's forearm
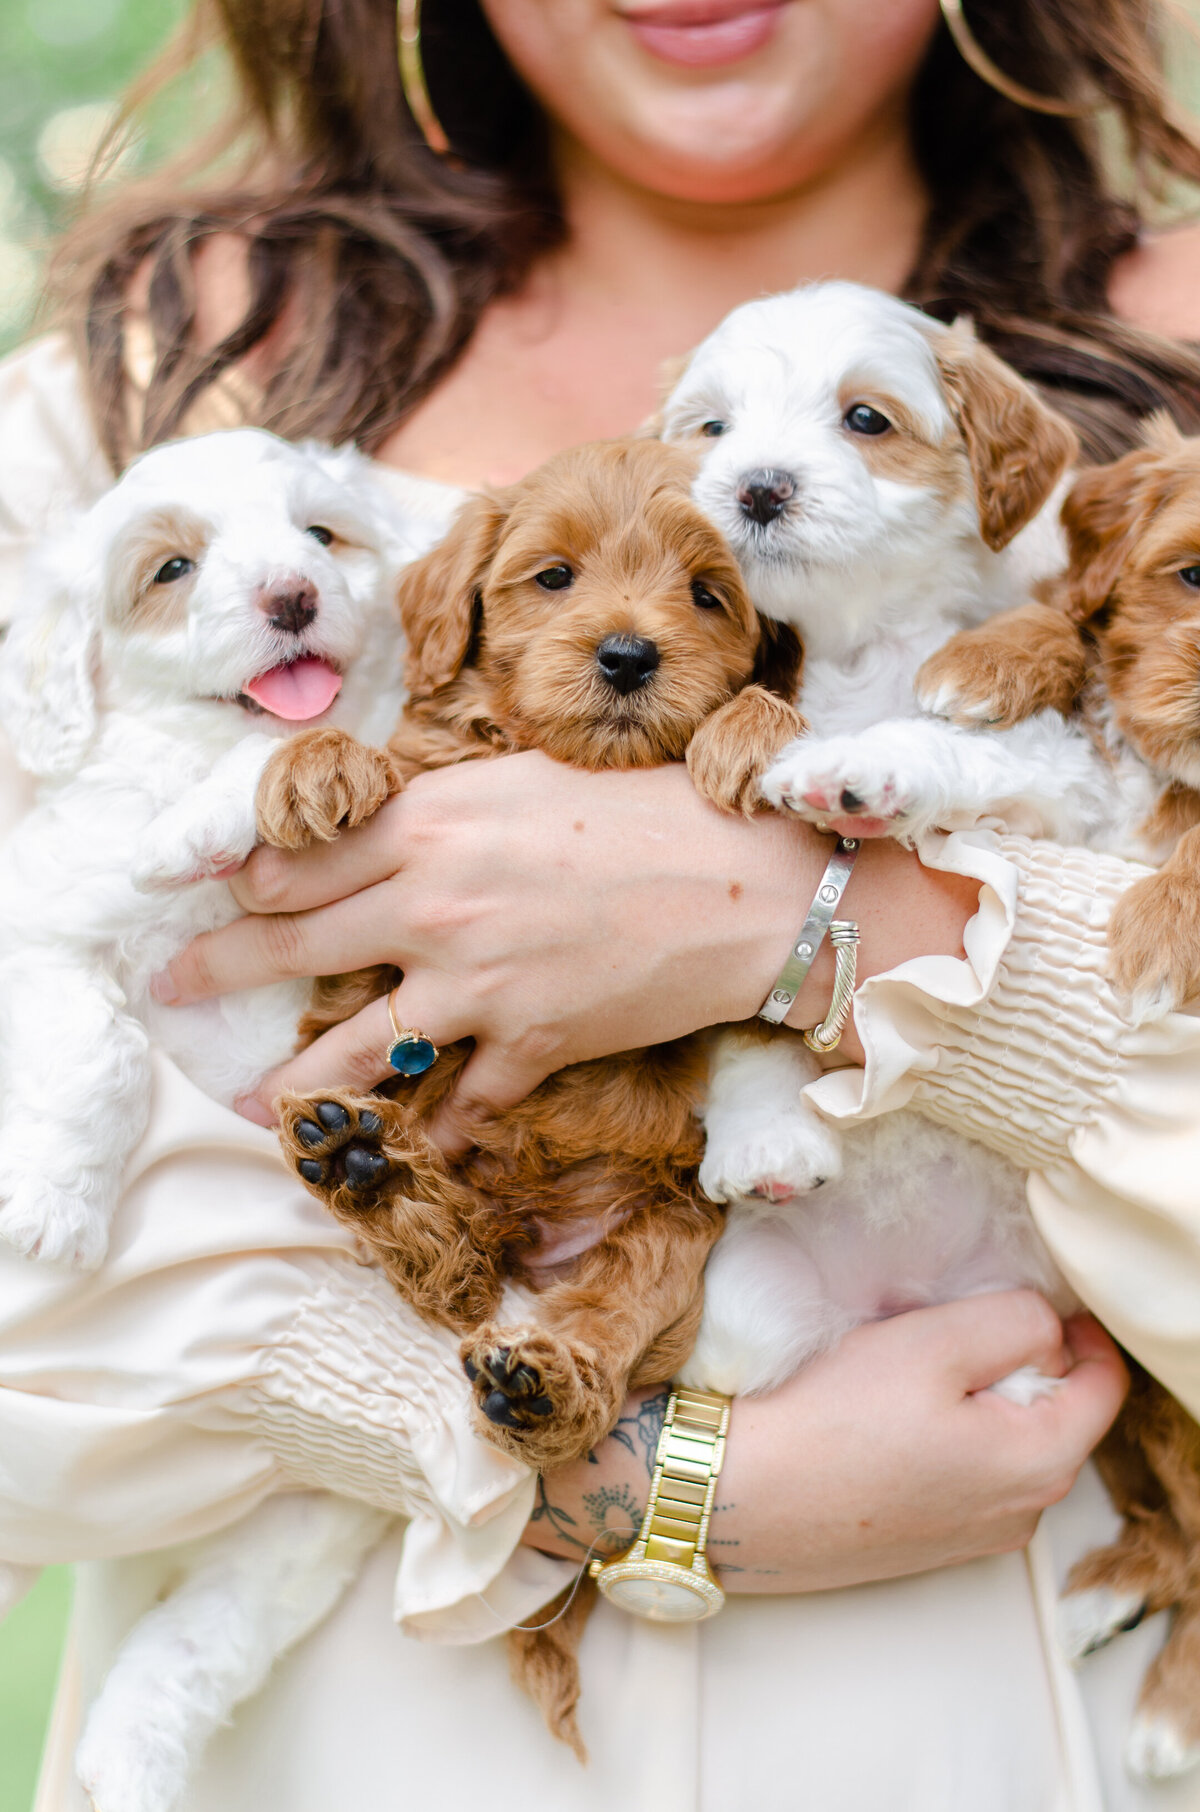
885, 1457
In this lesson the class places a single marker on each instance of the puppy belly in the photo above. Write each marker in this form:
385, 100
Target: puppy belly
920, 1217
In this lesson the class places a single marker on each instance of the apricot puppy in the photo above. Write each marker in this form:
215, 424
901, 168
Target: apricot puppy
591, 612
1117, 638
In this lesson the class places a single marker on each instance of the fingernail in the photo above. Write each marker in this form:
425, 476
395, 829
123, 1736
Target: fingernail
163, 988
251, 1108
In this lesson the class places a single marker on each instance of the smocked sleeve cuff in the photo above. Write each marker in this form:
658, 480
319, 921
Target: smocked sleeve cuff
361, 1396
1024, 1046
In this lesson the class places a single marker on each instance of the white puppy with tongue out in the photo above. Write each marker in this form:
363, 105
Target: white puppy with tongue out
228, 591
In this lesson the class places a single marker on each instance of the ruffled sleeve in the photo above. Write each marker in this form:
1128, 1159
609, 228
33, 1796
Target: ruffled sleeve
1023, 1046
234, 1345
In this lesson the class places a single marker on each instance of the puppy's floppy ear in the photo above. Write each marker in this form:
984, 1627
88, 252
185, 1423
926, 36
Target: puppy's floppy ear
1018, 448
439, 595
1104, 511
779, 661
47, 660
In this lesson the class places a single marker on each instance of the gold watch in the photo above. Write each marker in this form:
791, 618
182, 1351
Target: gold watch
665, 1575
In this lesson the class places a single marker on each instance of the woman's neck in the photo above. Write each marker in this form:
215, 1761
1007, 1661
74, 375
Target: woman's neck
630, 248
578, 352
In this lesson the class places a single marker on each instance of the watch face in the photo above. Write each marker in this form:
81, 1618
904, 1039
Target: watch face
660, 1599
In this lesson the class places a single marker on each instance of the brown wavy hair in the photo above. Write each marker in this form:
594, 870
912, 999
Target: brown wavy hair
390, 255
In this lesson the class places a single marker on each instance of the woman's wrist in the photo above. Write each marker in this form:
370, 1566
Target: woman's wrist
885, 1457
902, 911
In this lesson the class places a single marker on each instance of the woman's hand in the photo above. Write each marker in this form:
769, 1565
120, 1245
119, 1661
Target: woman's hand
887, 1456
553, 916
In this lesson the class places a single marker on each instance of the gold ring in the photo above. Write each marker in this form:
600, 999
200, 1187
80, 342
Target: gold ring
410, 1052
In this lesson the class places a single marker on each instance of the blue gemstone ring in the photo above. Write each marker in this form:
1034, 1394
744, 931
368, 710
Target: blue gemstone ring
410, 1052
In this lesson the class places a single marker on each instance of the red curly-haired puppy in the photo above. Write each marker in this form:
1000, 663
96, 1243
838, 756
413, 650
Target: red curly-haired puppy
1116, 639
591, 612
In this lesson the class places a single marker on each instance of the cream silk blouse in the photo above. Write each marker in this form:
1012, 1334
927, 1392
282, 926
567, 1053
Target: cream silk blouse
233, 1345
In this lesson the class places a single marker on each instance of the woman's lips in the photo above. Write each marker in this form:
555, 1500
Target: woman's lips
702, 34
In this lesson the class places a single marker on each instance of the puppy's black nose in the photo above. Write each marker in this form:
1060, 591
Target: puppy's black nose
764, 495
627, 661
291, 608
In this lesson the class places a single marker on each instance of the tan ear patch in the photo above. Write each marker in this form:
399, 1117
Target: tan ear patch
1017, 447
136, 597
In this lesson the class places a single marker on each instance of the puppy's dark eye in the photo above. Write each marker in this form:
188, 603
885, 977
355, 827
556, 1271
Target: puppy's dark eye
713, 429
707, 600
1190, 576
178, 568
862, 419
318, 533
556, 577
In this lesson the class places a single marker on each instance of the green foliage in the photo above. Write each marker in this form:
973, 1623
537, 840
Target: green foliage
57, 56
30, 1644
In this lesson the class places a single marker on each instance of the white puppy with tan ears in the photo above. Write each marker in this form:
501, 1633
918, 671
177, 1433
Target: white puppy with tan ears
227, 592
884, 481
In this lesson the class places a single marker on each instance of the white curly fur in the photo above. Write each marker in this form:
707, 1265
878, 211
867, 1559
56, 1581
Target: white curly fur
130, 706
875, 572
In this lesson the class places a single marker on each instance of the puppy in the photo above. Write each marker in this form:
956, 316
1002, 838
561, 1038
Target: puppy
226, 592
884, 481
592, 612
1115, 638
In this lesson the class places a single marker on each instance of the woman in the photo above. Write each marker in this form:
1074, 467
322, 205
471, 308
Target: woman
463, 319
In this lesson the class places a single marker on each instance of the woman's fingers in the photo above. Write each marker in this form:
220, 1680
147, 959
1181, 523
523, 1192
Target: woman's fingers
281, 880
494, 1079
1093, 1390
286, 946
351, 1055
991, 1336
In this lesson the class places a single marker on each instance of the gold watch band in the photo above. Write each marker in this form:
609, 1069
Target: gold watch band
691, 1452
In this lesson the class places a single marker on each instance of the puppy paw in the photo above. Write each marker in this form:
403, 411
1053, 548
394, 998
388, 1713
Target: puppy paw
320, 783
58, 1226
1154, 944
1028, 660
843, 778
130, 1769
792, 1155
1158, 1748
338, 1145
183, 846
536, 1398
1089, 1619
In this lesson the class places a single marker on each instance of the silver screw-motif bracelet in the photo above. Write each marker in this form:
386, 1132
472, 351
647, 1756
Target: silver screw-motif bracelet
830, 889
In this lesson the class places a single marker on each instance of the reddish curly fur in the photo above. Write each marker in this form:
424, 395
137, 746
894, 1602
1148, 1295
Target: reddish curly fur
497, 663
1120, 625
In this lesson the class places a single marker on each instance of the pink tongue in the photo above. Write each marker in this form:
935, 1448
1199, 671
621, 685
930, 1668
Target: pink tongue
301, 690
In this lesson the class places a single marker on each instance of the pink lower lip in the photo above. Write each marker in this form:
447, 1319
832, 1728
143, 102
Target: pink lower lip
706, 45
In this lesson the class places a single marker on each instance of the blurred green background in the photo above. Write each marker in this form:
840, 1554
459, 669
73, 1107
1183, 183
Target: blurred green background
29, 1648
62, 62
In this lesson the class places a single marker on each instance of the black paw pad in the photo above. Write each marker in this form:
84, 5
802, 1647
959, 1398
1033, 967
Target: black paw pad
311, 1171
364, 1168
471, 1369
369, 1124
497, 1408
309, 1133
332, 1117
851, 801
